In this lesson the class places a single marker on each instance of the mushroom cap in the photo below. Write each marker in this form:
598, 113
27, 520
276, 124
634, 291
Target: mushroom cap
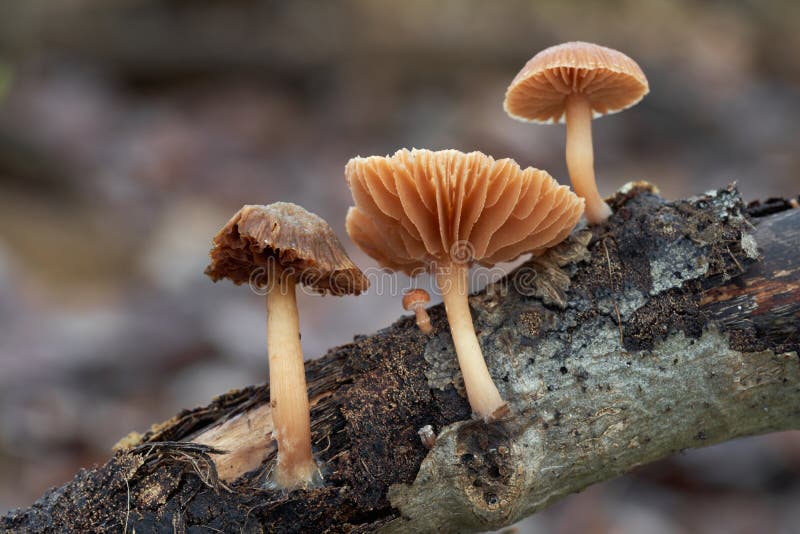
611, 80
415, 296
295, 239
418, 208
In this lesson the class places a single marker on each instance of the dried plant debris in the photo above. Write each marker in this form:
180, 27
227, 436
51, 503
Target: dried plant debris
193, 455
543, 277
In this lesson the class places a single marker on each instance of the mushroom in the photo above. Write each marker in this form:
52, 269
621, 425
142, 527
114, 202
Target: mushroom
415, 300
442, 211
577, 82
427, 436
282, 244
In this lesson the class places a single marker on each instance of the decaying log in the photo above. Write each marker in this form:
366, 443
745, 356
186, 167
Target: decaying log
674, 325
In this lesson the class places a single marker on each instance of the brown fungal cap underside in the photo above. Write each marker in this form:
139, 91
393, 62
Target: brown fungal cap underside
611, 80
420, 207
259, 238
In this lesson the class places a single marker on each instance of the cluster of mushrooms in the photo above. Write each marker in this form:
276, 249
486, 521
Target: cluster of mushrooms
438, 212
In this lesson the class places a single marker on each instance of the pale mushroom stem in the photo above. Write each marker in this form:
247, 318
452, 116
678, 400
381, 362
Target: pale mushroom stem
580, 157
481, 391
423, 319
287, 386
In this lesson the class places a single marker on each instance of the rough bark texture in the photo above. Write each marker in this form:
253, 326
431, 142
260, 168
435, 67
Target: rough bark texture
673, 325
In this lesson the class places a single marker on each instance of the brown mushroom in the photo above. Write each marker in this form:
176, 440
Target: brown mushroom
415, 300
577, 82
442, 211
281, 245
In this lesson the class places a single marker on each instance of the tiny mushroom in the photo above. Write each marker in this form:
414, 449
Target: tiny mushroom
577, 82
281, 245
442, 211
427, 436
415, 300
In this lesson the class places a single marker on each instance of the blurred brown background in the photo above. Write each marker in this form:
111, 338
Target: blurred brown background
131, 130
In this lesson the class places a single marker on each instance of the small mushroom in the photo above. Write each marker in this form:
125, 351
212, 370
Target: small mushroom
442, 211
577, 82
415, 300
281, 245
427, 436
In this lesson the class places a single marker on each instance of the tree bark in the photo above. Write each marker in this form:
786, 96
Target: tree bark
673, 325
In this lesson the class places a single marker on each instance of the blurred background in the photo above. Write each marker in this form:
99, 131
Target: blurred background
131, 130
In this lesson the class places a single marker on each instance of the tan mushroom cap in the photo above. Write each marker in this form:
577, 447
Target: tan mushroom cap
418, 207
291, 236
611, 80
415, 296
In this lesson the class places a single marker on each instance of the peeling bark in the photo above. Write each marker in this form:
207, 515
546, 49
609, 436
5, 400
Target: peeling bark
673, 325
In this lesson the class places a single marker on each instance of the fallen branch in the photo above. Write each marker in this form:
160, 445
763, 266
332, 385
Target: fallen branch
675, 325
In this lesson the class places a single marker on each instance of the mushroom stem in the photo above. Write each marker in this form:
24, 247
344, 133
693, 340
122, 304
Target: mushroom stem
481, 391
287, 387
423, 319
580, 157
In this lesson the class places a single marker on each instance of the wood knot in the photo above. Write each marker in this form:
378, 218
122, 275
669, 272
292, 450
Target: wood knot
490, 473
